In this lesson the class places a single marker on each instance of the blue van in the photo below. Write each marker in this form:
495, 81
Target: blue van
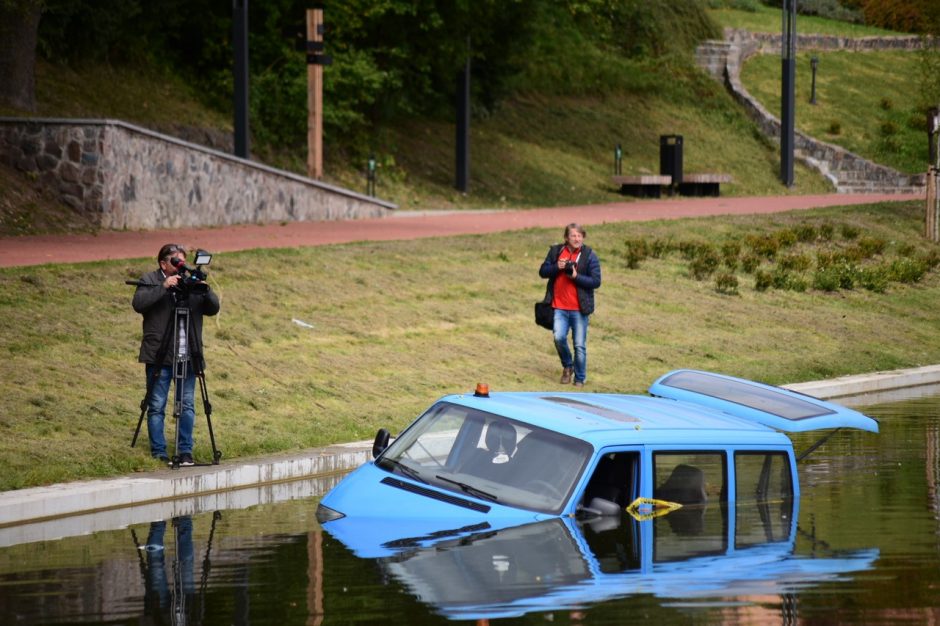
499, 460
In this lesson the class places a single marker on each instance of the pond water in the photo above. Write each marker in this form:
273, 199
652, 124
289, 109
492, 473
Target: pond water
861, 546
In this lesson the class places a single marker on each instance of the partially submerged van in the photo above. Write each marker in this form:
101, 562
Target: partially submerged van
498, 460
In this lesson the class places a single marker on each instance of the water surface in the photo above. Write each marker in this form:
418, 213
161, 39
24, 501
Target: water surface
863, 548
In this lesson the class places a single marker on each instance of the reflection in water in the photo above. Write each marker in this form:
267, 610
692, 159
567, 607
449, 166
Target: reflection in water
860, 546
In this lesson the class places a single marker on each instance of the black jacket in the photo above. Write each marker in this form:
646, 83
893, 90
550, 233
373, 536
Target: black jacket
158, 306
587, 280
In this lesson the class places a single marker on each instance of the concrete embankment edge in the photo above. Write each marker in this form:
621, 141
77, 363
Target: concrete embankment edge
61, 509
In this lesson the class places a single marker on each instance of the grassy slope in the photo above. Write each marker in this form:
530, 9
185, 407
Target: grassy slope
884, 124
69, 388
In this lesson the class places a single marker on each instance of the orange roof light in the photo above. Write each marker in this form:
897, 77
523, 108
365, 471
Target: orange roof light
482, 390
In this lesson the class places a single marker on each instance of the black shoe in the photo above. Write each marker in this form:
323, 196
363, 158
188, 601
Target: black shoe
186, 460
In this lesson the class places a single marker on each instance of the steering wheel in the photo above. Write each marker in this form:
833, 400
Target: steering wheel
543, 487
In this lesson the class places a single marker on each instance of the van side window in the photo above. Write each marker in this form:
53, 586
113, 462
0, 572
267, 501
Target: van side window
689, 478
764, 491
615, 479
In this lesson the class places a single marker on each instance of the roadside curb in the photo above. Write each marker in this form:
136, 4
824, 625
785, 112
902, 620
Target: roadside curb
67, 509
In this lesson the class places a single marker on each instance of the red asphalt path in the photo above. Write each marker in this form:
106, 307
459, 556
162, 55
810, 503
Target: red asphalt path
401, 225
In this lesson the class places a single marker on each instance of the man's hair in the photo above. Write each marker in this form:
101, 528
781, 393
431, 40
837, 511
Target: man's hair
575, 226
168, 250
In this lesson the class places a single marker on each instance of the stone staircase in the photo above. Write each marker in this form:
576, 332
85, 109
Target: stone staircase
847, 171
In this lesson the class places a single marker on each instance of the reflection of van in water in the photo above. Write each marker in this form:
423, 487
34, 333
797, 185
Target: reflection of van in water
699, 442
715, 551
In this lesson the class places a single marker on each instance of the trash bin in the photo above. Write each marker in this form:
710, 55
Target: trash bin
670, 157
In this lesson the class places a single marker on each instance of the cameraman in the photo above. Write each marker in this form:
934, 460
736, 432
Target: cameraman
573, 272
157, 297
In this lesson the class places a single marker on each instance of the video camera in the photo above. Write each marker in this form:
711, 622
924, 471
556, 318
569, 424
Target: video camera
192, 279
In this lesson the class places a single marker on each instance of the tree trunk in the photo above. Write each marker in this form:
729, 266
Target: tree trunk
19, 27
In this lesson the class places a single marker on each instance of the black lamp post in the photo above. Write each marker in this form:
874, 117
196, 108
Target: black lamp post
813, 63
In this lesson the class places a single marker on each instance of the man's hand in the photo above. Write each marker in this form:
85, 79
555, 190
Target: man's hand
171, 281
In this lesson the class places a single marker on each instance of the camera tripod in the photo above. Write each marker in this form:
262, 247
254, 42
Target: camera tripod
187, 353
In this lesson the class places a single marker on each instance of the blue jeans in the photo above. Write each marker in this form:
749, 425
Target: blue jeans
578, 324
156, 410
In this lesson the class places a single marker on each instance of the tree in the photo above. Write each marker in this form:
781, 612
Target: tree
19, 27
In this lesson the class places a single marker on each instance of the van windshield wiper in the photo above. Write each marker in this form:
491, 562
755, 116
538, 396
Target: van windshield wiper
405, 469
468, 488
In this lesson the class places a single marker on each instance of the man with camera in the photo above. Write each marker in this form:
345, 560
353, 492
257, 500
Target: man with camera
573, 272
172, 285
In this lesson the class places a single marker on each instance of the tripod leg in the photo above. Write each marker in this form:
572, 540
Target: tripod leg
207, 408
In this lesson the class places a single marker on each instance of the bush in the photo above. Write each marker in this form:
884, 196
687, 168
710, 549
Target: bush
888, 128
835, 128
874, 279
659, 248
730, 250
826, 279
795, 262
636, 251
765, 246
762, 280
907, 270
726, 283
705, 263
805, 233
886, 104
826, 231
871, 246
750, 262
849, 232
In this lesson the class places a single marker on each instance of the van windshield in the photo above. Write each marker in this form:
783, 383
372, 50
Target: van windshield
489, 457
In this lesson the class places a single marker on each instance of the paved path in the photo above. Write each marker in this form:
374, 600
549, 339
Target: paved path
38, 250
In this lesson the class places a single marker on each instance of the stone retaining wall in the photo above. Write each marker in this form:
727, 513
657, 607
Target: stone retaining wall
847, 171
127, 177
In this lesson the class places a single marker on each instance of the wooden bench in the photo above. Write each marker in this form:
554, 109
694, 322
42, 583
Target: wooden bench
702, 184
644, 186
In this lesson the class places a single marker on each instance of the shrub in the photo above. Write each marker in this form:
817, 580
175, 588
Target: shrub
659, 248
907, 270
705, 263
871, 246
780, 278
835, 128
886, 104
750, 262
888, 128
849, 232
805, 233
765, 246
907, 249
874, 279
730, 250
826, 279
787, 238
826, 231
726, 283
795, 262
636, 251
762, 280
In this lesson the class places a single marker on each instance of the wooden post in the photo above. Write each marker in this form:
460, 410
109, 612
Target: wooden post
315, 99
932, 216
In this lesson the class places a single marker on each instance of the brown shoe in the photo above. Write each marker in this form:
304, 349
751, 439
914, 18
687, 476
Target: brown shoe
566, 375
579, 383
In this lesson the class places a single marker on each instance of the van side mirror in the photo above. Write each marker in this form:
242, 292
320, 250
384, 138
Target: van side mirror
380, 443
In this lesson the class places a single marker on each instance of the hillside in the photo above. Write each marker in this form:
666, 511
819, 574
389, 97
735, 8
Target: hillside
537, 146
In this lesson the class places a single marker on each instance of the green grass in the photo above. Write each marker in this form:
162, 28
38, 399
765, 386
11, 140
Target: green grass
397, 325
769, 20
883, 124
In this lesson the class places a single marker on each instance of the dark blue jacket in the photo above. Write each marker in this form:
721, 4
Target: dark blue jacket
587, 280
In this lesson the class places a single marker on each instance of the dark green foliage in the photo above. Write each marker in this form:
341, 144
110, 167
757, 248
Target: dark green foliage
886, 104
660, 247
795, 262
835, 127
705, 263
763, 245
750, 262
830, 9
805, 233
726, 283
636, 251
826, 231
907, 270
849, 232
874, 279
762, 280
730, 251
